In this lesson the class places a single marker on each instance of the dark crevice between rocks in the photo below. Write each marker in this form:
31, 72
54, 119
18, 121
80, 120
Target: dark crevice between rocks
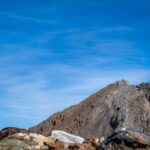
114, 123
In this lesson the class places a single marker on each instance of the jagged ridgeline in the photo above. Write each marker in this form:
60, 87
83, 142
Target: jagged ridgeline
119, 105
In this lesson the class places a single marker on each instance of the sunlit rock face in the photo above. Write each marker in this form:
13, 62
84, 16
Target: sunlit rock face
119, 105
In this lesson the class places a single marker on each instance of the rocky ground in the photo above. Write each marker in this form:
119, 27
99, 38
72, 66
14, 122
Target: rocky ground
115, 118
20, 139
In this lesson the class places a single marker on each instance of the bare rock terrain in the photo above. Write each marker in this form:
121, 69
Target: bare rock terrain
115, 118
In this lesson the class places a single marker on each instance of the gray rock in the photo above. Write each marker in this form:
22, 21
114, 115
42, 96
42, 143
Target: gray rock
66, 137
128, 139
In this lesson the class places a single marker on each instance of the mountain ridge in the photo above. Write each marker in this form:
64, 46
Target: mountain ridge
118, 105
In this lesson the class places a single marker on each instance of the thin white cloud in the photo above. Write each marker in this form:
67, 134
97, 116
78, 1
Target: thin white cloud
75, 34
19, 17
121, 29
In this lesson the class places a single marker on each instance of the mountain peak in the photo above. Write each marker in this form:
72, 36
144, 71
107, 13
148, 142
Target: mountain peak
122, 82
119, 105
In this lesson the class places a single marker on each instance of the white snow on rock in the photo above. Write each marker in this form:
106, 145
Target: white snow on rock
66, 137
123, 129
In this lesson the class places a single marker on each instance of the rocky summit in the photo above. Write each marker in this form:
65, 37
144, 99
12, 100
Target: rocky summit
119, 105
115, 118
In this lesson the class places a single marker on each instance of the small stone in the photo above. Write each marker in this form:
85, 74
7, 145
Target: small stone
102, 139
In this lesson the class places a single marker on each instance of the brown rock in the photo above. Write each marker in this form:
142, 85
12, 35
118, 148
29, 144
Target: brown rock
10, 131
54, 144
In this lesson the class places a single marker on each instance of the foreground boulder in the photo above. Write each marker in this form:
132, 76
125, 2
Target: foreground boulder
10, 131
66, 137
128, 139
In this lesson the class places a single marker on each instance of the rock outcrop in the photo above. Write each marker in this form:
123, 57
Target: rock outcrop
119, 105
10, 131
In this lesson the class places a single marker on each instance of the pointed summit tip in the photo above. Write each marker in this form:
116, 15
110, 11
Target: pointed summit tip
122, 82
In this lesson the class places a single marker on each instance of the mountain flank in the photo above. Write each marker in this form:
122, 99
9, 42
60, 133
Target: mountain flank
119, 105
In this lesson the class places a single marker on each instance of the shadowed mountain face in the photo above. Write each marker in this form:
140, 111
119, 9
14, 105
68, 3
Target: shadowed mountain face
119, 105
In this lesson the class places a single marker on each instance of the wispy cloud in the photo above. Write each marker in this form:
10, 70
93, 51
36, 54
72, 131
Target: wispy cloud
119, 29
25, 18
79, 34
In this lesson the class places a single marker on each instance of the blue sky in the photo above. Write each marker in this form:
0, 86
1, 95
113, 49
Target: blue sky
55, 53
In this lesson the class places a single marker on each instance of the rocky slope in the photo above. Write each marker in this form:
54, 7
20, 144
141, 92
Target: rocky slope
119, 105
